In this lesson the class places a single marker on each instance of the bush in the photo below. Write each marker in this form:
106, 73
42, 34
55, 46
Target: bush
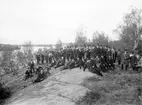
4, 94
89, 99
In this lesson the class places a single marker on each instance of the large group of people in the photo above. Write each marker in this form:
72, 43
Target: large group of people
96, 58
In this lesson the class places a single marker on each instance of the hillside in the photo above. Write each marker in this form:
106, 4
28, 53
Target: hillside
75, 87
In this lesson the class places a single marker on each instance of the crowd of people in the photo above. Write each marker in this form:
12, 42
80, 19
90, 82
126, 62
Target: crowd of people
96, 58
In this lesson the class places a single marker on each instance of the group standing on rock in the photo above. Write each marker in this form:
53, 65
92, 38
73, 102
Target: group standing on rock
96, 58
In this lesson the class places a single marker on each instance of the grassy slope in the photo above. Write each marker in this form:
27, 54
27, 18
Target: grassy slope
115, 88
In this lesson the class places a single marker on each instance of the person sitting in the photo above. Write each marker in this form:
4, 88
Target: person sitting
96, 70
72, 64
53, 63
92, 67
66, 65
104, 66
40, 76
87, 65
78, 63
60, 62
28, 74
47, 69
38, 70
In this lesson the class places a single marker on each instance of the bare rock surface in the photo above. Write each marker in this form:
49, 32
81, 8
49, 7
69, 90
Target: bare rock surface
62, 88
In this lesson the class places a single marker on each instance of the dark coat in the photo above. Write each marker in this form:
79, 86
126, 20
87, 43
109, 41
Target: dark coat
133, 61
126, 59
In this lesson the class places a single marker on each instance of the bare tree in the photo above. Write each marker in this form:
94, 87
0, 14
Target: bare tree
21, 59
59, 44
100, 38
28, 50
81, 38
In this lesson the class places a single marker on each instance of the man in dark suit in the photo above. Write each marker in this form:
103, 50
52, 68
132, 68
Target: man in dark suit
126, 59
133, 60
31, 66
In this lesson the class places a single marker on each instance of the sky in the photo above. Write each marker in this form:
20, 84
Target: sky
47, 21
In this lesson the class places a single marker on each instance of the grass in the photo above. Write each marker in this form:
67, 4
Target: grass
115, 88
89, 98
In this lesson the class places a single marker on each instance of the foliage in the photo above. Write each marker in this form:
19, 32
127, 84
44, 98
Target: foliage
20, 59
7, 47
90, 98
12, 61
119, 44
130, 30
59, 44
139, 48
100, 38
80, 39
7, 61
28, 50
4, 94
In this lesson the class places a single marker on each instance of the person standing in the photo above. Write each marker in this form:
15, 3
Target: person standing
119, 57
46, 57
122, 59
126, 59
42, 58
38, 58
133, 60
31, 66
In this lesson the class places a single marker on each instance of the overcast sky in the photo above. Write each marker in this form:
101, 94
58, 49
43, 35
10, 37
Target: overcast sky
46, 21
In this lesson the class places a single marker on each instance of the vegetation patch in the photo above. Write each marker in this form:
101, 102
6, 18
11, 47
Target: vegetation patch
94, 78
89, 99
5, 93
114, 89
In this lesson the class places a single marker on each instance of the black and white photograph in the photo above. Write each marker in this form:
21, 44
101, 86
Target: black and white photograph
70, 52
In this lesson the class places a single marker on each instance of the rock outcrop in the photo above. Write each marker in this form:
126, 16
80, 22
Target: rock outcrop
63, 88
